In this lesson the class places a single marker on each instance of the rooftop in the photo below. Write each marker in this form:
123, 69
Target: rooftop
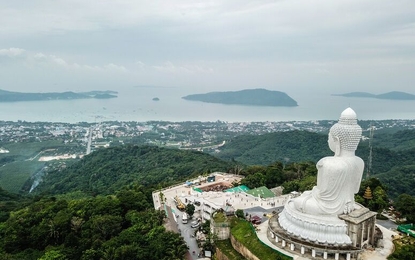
262, 192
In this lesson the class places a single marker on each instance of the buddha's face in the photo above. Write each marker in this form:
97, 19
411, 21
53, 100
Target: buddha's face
332, 142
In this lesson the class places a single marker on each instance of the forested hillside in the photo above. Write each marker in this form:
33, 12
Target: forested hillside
9, 202
393, 154
120, 226
292, 146
117, 222
400, 140
108, 170
100, 206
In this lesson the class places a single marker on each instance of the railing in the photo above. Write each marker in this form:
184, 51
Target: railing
280, 233
280, 253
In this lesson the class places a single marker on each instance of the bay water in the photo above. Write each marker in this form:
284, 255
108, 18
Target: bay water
137, 104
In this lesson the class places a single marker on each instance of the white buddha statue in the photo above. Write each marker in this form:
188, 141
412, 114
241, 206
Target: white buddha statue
314, 215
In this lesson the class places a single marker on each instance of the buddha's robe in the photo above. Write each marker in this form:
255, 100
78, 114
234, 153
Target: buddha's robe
338, 180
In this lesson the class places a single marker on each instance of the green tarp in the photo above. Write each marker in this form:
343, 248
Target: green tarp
241, 188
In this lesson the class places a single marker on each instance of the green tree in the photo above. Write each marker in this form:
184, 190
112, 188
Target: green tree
255, 180
379, 201
91, 254
274, 175
106, 225
131, 199
406, 205
190, 209
176, 248
206, 227
254, 169
53, 255
240, 213
403, 252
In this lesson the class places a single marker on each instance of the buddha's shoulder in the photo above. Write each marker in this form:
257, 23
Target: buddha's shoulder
331, 161
334, 162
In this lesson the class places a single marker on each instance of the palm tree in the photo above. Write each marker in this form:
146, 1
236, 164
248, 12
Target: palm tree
76, 224
177, 249
162, 198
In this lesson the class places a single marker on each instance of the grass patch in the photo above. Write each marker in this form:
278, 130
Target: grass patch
244, 233
22, 162
27, 150
14, 175
219, 217
226, 248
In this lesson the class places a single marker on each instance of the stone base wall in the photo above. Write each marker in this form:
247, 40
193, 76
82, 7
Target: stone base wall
220, 256
222, 230
242, 249
222, 233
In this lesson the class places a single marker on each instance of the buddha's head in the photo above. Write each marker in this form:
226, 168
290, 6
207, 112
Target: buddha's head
345, 135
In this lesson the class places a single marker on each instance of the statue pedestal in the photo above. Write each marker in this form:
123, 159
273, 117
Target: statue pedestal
328, 230
361, 226
305, 248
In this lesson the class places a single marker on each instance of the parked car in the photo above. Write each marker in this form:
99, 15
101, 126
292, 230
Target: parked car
256, 220
195, 225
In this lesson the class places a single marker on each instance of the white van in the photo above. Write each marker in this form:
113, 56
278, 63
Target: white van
184, 218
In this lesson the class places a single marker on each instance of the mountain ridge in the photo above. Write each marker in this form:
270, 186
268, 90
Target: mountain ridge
392, 95
251, 97
11, 96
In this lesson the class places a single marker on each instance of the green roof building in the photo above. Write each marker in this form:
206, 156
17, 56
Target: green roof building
262, 192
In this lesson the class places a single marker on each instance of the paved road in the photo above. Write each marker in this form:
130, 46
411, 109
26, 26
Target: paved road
185, 230
387, 224
172, 222
188, 235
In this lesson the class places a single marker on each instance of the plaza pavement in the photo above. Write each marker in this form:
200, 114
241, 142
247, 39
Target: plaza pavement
262, 235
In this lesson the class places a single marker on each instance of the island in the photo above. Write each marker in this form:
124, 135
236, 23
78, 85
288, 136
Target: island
156, 99
250, 97
393, 95
11, 96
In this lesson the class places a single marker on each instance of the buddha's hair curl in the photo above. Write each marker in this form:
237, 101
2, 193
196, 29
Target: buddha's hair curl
348, 132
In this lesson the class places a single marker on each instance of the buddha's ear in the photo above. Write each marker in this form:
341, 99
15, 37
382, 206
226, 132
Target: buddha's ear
337, 142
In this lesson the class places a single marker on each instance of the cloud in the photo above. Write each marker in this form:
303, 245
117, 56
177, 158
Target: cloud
39, 60
11, 52
168, 66
112, 66
58, 61
140, 64
215, 43
42, 60
39, 56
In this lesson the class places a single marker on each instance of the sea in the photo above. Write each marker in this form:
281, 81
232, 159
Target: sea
137, 104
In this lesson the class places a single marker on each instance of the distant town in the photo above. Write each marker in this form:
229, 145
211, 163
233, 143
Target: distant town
83, 137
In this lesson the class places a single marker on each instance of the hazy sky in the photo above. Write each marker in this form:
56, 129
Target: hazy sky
288, 45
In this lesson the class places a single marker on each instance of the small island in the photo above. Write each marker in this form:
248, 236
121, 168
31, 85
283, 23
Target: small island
393, 95
156, 99
10, 96
249, 97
